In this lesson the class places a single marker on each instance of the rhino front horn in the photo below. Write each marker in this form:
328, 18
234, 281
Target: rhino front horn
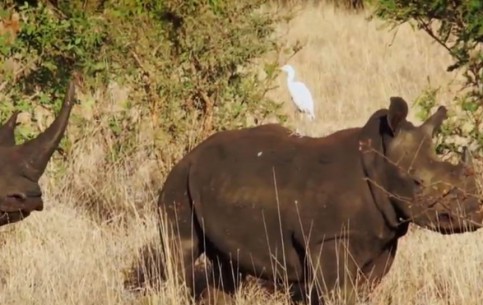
7, 135
39, 150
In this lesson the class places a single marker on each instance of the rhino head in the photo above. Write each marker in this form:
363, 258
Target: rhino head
423, 189
21, 166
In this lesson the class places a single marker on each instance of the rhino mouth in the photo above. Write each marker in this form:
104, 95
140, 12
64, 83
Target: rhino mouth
449, 222
11, 217
16, 208
14, 204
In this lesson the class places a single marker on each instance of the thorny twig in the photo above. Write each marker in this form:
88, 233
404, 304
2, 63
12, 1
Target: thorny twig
366, 147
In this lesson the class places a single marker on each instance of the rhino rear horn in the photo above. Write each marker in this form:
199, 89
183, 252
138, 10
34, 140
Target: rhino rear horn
7, 134
37, 152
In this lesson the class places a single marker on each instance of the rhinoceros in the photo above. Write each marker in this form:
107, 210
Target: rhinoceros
317, 213
21, 166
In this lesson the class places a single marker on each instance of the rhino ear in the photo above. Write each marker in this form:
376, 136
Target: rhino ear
398, 111
371, 142
374, 163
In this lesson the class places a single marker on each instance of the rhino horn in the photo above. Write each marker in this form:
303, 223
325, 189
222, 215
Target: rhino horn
37, 152
7, 135
433, 123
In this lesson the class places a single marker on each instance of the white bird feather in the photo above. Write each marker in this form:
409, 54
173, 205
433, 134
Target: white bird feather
301, 95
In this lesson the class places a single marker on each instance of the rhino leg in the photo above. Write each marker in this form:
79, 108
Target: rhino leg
225, 281
223, 284
374, 271
331, 271
300, 293
214, 296
180, 231
180, 240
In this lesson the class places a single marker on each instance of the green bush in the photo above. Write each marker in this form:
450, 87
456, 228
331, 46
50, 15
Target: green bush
189, 68
36, 66
187, 61
458, 27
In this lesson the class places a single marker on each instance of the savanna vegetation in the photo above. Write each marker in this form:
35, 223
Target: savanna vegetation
457, 26
154, 78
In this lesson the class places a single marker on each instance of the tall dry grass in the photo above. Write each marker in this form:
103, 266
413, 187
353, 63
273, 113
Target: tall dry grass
65, 256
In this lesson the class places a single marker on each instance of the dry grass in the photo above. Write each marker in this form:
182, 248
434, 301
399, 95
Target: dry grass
352, 66
62, 256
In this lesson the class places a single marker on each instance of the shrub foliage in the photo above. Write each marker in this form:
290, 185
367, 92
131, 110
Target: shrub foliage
458, 27
155, 76
186, 62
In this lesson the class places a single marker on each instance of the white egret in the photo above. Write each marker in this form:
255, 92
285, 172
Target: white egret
301, 95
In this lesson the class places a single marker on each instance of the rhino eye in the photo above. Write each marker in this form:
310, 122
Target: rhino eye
418, 182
